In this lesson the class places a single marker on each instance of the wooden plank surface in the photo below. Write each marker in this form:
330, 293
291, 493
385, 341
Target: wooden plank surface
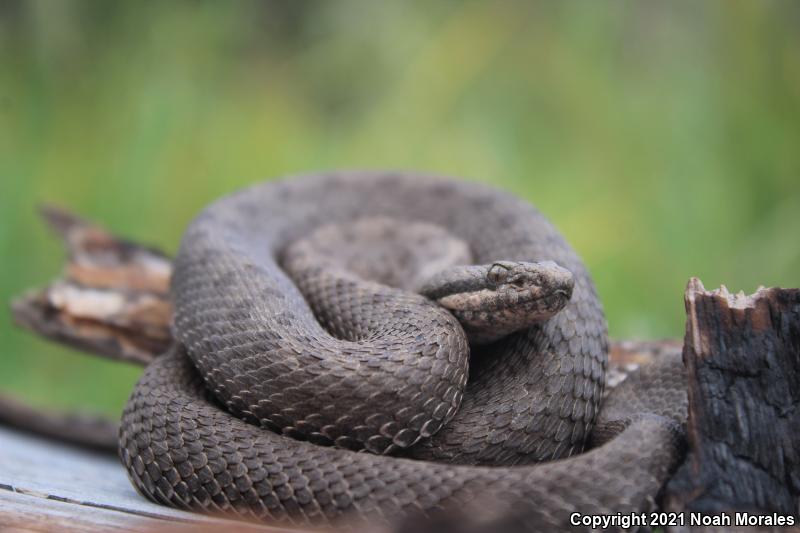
48, 486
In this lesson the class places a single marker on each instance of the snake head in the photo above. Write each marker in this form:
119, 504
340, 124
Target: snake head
494, 300
535, 280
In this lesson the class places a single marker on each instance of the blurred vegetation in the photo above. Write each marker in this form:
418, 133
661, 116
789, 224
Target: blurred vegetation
663, 138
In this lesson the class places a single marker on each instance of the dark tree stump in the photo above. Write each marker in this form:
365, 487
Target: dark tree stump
742, 355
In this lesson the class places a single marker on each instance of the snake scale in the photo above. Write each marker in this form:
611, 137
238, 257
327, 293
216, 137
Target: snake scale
322, 377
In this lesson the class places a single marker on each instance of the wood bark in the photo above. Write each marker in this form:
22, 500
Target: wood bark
742, 355
111, 299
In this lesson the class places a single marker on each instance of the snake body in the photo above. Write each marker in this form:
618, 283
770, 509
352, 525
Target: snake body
342, 372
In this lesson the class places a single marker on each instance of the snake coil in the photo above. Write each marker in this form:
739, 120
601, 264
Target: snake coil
331, 366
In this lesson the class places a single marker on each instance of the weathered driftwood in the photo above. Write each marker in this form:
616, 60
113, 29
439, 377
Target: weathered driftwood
111, 300
742, 355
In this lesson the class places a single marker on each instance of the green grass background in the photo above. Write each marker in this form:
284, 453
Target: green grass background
663, 138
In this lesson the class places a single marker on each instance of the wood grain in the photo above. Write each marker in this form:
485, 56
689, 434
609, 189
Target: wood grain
47, 486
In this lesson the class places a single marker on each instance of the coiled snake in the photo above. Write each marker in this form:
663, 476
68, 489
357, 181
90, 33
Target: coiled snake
285, 317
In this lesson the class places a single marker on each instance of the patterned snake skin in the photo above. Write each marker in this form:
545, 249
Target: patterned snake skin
334, 366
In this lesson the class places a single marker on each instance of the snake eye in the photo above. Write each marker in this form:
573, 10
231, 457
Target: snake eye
519, 283
498, 273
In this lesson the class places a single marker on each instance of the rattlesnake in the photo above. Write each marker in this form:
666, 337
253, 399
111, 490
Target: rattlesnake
372, 408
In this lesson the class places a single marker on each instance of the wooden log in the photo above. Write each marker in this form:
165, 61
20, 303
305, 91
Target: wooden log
112, 298
742, 355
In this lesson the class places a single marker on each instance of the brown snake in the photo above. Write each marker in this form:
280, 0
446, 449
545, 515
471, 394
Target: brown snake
285, 319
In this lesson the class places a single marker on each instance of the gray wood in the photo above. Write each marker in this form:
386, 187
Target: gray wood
47, 486
33, 513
